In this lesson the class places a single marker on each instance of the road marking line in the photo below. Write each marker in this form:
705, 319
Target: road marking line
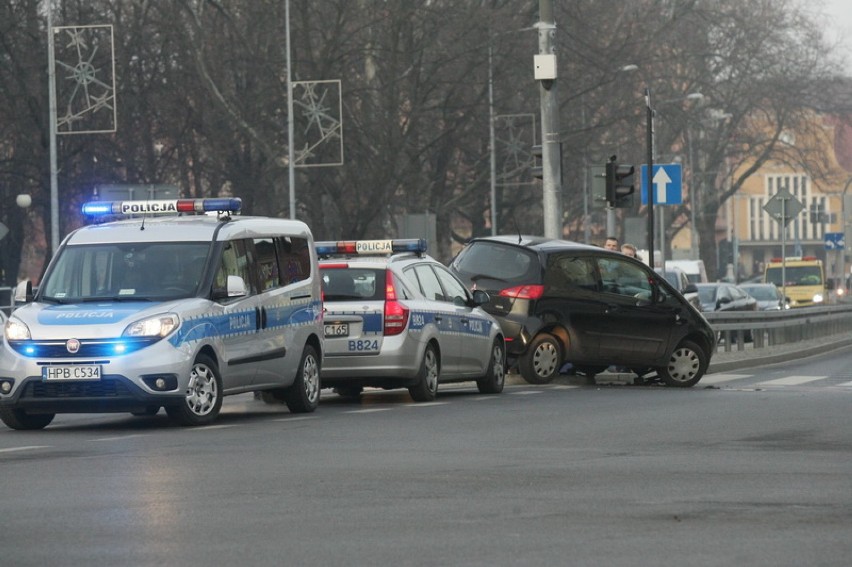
209, 427
119, 437
427, 404
846, 384
564, 387
371, 410
26, 448
791, 381
719, 378
525, 393
300, 418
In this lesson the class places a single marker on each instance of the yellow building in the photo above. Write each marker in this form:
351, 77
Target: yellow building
757, 236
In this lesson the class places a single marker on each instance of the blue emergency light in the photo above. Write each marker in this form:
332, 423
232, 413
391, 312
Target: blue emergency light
162, 206
370, 247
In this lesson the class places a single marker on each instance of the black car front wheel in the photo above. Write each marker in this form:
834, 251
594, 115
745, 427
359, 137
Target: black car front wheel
541, 362
686, 366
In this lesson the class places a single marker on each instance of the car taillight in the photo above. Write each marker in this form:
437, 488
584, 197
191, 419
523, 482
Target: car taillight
523, 292
396, 314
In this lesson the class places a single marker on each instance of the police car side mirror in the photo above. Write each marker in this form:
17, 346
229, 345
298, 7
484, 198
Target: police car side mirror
24, 292
480, 297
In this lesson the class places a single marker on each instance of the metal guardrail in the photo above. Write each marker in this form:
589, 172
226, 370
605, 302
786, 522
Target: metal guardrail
772, 328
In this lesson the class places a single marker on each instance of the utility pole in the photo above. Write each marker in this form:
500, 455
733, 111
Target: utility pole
650, 175
551, 154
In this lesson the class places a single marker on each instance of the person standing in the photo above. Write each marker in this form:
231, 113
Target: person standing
628, 250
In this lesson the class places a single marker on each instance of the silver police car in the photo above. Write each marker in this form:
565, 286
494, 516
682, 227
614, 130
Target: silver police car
394, 317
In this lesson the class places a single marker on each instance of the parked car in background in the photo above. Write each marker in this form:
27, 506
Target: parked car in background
722, 296
560, 301
768, 296
680, 281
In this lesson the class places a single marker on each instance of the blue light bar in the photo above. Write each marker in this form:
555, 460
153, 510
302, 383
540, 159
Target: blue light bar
162, 206
370, 247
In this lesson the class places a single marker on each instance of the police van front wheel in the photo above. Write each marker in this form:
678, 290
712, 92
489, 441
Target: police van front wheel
203, 395
20, 419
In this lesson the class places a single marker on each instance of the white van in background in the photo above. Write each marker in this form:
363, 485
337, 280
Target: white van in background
694, 269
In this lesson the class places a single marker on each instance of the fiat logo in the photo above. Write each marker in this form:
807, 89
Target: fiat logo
72, 346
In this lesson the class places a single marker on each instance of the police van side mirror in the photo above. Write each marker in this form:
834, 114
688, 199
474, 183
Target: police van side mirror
24, 292
236, 287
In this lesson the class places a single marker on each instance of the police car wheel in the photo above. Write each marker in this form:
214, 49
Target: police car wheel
542, 360
203, 395
686, 366
495, 377
20, 419
426, 387
303, 396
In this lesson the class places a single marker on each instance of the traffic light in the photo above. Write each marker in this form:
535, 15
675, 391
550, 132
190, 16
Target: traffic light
619, 184
537, 169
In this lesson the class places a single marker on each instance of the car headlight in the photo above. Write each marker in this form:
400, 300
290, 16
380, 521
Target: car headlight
817, 298
156, 326
16, 330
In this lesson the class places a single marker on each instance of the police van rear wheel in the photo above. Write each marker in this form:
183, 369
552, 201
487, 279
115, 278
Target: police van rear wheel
495, 377
20, 419
203, 395
303, 396
426, 388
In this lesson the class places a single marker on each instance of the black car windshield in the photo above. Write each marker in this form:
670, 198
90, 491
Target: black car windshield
150, 271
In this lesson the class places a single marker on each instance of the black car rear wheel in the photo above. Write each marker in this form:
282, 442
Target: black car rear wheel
686, 366
542, 360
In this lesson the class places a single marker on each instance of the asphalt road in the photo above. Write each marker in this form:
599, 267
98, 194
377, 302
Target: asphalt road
748, 468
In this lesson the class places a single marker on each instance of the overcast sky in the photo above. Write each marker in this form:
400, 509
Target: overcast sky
839, 16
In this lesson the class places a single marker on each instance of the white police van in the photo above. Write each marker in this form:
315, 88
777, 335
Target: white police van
182, 304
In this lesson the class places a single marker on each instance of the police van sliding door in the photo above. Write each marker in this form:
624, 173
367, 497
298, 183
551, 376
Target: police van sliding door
288, 308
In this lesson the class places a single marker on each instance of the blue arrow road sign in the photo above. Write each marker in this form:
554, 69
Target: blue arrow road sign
667, 184
834, 241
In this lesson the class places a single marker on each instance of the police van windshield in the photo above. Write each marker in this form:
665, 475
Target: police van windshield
150, 271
